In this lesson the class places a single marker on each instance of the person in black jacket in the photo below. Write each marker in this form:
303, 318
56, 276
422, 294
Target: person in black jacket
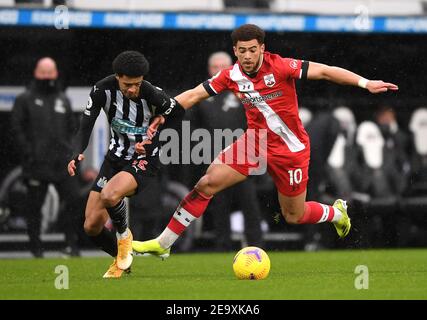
42, 122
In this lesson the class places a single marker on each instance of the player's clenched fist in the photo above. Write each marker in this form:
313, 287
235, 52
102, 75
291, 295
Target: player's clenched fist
72, 164
139, 146
155, 124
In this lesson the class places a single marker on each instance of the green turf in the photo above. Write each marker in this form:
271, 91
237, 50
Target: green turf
393, 274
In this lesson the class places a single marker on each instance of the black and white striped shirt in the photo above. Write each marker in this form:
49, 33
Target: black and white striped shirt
128, 119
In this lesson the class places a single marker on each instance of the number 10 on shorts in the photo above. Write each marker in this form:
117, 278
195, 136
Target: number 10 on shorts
295, 176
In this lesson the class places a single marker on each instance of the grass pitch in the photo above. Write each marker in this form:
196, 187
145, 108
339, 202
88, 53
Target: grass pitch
393, 274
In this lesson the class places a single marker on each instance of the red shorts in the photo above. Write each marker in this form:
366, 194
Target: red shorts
289, 170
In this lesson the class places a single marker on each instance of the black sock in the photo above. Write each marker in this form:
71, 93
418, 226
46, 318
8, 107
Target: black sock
107, 241
118, 216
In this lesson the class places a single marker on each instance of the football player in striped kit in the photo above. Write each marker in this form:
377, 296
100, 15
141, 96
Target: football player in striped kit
130, 102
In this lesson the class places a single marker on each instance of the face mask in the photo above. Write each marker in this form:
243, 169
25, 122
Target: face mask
46, 85
385, 129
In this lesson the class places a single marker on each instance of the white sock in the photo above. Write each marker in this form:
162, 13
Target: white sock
337, 215
123, 235
167, 238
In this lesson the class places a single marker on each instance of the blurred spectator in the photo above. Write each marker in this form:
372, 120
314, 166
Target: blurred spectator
347, 121
42, 121
418, 127
396, 143
225, 112
413, 222
382, 184
342, 162
323, 131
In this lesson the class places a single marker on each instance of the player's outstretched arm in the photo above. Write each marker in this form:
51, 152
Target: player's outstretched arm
193, 96
318, 71
186, 99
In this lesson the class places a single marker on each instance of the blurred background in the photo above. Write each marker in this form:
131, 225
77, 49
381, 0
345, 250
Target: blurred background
368, 149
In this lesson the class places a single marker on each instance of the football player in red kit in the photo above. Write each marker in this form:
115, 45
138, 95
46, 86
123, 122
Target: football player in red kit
265, 83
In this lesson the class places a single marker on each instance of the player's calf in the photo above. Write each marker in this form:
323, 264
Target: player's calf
92, 226
292, 207
315, 212
292, 217
190, 208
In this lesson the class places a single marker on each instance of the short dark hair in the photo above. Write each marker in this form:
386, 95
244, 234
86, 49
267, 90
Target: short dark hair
248, 32
131, 64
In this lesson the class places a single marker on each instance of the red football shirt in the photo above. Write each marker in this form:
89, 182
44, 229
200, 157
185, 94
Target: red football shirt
269, 99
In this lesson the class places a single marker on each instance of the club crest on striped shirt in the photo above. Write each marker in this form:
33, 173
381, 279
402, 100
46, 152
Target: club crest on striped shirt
269, 80
102, 182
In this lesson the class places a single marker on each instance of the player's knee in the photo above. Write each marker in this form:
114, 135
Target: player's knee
203, 183
110, 197
206, 185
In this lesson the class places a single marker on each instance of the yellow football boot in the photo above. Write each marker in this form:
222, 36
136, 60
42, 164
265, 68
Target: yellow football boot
150, 247
343, 225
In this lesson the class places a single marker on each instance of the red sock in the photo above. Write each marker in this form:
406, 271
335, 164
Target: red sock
315, 212
192, 207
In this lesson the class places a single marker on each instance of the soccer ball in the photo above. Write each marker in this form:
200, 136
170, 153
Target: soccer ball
251, 263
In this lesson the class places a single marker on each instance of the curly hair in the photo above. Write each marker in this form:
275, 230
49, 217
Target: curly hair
248, 32
131, 64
